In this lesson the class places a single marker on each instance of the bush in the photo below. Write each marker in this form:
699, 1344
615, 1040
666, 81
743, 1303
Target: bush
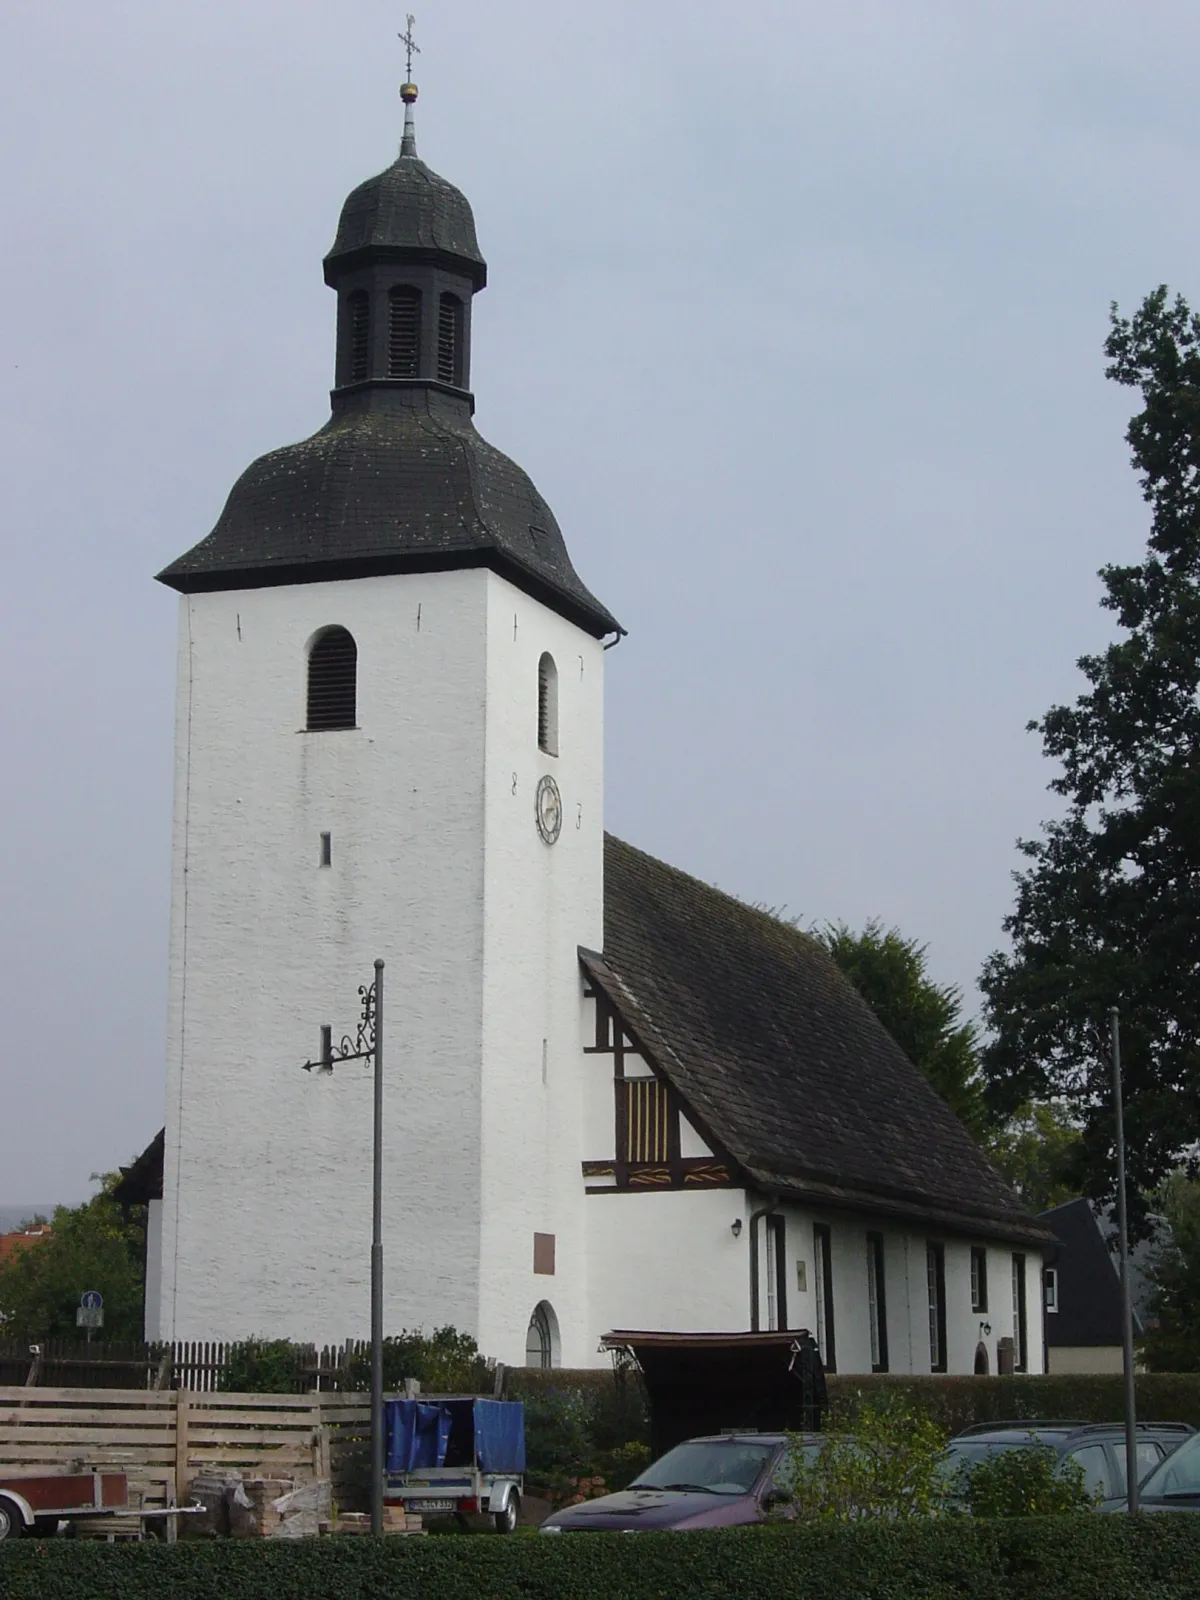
444, 1362
1030, 1482
584, 1439
1069, 1558
883, 1460
263, 1366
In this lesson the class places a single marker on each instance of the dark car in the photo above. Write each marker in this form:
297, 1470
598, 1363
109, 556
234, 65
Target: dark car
1097, 1447
722, 1481
1173, 1485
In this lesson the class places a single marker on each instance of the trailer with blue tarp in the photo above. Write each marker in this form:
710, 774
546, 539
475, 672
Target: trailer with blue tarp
450, 1454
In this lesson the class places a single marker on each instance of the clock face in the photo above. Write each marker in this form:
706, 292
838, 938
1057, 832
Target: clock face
548, 804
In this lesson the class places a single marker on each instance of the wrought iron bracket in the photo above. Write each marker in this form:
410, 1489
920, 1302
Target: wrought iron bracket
359, 1048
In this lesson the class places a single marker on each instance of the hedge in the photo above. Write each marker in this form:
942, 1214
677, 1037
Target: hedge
1070, 1558
955, 1402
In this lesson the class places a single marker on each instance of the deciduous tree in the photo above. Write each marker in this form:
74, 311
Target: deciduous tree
93, 1246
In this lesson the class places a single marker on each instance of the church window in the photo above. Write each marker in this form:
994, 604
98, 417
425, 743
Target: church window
877, 1303
935, 1274
449, 342
332, 680
541, 1340
647, 1132
547, 705
823, 1292
776, 1273
359, 308
404, 331
979, 1283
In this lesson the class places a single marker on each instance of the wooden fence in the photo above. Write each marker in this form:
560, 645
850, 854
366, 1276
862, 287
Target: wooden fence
163, 1439
187, 1364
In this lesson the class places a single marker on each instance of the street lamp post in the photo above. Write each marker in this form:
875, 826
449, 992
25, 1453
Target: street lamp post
1131, 1477
367, 1044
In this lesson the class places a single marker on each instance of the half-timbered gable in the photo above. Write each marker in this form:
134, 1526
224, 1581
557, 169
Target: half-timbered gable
647, 1136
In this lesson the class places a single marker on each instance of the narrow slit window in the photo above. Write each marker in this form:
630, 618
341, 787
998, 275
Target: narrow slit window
332, 681
404, 332
547, 727
327, 1046
776, 1241
326, 849
877, 1303
935, 1274
823, 1293
979, 1283
359, 308
449, 345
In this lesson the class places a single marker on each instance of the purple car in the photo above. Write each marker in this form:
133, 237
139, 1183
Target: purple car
720, 1482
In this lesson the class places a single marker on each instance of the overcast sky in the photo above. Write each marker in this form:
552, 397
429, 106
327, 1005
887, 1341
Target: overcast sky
795, 316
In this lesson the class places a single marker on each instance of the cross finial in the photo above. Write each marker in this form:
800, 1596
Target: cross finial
408, 91
411, 46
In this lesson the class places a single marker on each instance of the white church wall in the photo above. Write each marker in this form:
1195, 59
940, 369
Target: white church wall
667, 1261
542, 902
598, 1109
153, 1268
266, 1212
906, 1292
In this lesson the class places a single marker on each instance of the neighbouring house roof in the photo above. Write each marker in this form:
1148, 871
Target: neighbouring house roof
144, 1179
782, 1060
12, 1243
1089, 1285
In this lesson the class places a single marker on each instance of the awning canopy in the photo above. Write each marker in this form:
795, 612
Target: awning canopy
700, 1383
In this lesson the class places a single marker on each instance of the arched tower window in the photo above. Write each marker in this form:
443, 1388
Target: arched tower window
333, 680
541, 1341
359, 308
449, 345
547, 705
404, 331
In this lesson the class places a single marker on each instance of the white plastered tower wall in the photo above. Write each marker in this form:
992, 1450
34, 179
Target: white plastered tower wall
542, 902
266, 1206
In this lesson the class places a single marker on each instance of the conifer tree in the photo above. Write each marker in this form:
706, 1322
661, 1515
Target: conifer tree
1108, 908
924, 1017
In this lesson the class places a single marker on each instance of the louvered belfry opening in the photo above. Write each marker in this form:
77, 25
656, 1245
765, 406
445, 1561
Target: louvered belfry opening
359, 308
404, 332
646, 1130
333, 681
449, 346
548, 705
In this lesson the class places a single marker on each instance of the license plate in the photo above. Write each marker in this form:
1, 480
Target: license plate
429, 1505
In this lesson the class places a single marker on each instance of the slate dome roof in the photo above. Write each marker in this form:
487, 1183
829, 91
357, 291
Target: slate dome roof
388, 491
409, 207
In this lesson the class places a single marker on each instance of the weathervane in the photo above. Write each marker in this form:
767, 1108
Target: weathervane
408, 89
411, 47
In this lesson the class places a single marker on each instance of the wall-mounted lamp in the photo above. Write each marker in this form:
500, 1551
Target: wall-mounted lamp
985, 1330
735, 1227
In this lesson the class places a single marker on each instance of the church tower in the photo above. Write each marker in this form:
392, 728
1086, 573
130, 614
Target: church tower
388, 744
